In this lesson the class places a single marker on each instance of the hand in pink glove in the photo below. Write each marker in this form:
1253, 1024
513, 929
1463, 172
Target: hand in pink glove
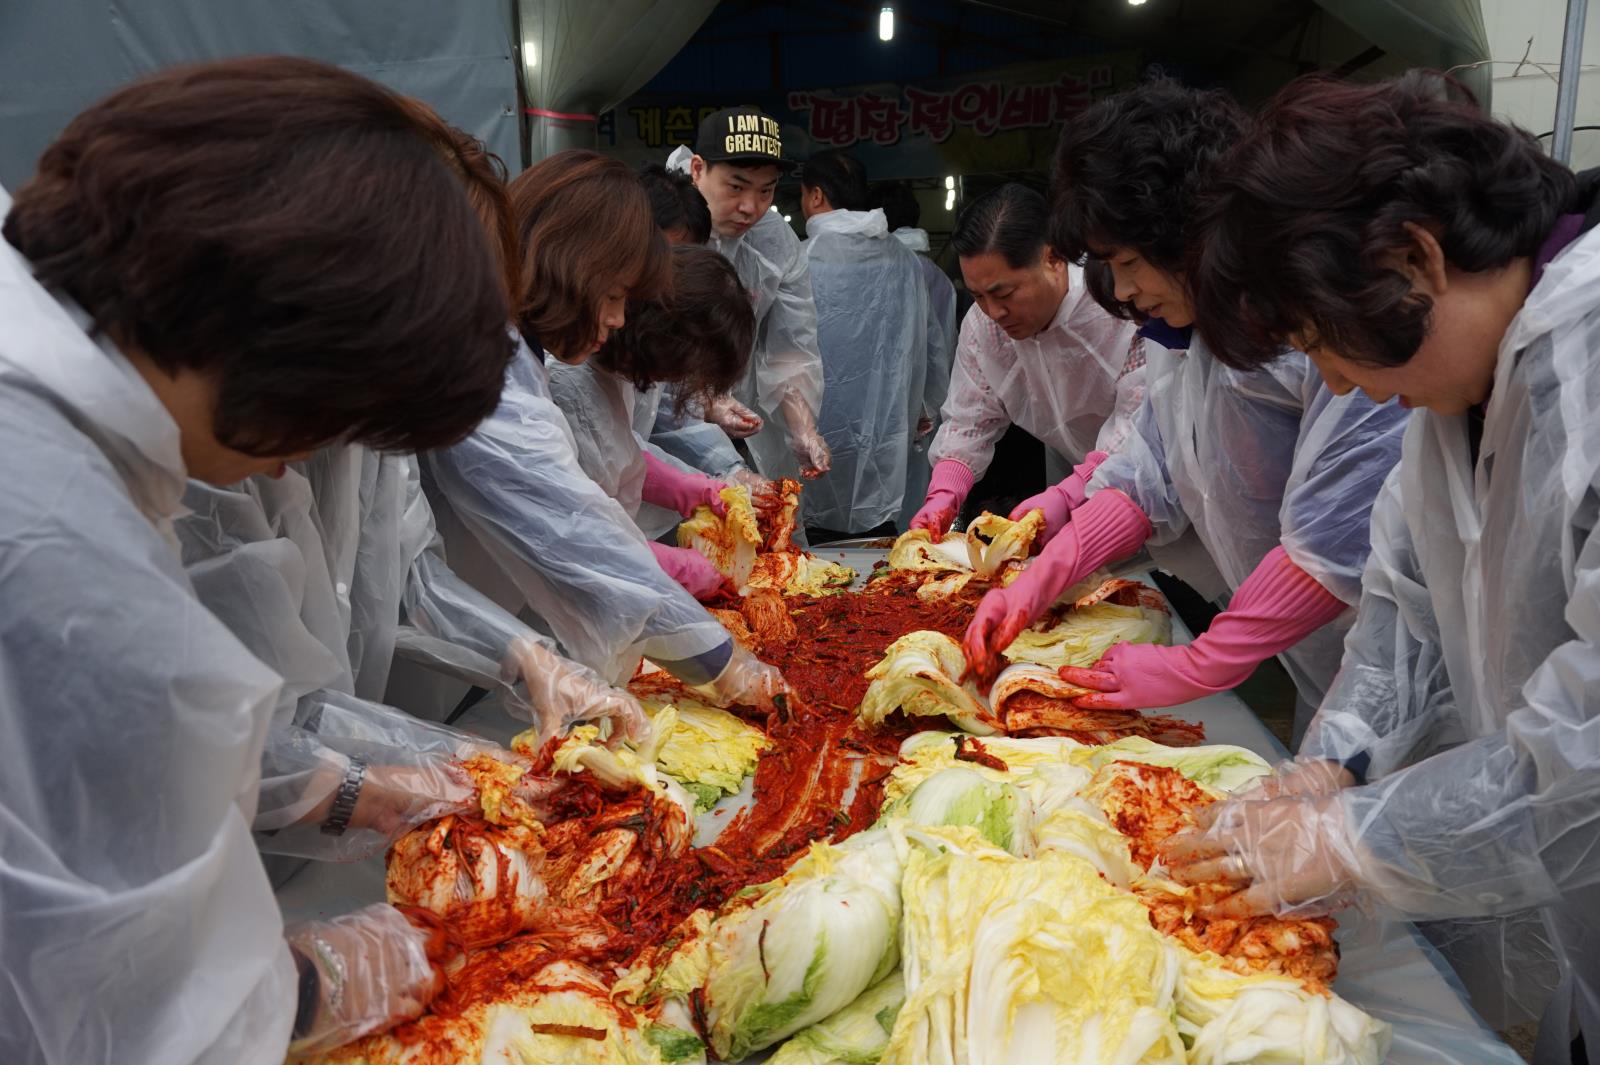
1109, 526
1060, 500
1276, 607
667, 486
947, 490
691, 569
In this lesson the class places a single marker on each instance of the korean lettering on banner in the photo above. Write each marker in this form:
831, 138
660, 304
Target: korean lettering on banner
987, 107
658, 126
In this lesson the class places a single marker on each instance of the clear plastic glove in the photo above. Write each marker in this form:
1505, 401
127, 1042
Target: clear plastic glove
1060, 500
1294, 856
751, 480
394, 799
691, 569
373, 971
805, 443
734, 418
947, 490
748, 681
674, 489
1112, 526
564, 693
924, 426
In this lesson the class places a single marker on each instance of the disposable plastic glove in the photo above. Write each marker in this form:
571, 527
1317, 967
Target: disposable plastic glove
747, 681
691, 569
751, 480
1060, 500
1108, 527
1276, 607
564, 693
373, 971
805, 443
1297, 853
666, 486
735, 419
947, 490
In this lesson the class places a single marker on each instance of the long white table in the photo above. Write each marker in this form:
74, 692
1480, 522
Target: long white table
1386, 967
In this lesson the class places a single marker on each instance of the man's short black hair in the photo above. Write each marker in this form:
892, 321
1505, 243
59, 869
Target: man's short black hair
289, 228
840, 176
900, 206
676, 203
1008, 221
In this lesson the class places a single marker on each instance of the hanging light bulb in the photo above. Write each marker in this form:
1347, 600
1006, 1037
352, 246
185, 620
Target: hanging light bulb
788, 218
886, 23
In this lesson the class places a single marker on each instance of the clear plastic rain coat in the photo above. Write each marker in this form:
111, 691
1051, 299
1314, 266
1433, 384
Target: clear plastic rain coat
137, 926
1252, 460
1471, 679
523, 521
1074, 386
786, 363
876, 331
942, 300
328, 574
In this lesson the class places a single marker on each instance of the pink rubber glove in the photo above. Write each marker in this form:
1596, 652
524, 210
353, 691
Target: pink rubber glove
1276, 607
667, 486
1060, 500
690, 569
1108, 527
947, 490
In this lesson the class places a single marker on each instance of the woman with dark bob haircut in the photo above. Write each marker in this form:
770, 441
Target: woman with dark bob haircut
1416, 248
1274, 474
215, 270
520, 515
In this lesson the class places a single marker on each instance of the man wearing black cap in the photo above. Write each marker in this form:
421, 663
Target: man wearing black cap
736, 162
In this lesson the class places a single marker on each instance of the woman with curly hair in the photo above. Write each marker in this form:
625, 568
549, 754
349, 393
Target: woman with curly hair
1419, 250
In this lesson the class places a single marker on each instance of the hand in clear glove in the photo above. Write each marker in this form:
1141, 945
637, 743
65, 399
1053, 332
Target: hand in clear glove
751, 480
748, 681
734, 418
667, 486
1111, 527
691, 569
1060, 500
924, 426
394, 799
373, 971
1291, 856
811, 451
563, 693
947, 490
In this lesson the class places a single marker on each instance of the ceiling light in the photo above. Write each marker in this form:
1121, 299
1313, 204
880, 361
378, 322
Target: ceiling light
950, 200
788, 218
949, 181
1135, 3
886, 23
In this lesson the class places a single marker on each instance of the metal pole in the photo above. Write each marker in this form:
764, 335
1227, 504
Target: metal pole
1567, 86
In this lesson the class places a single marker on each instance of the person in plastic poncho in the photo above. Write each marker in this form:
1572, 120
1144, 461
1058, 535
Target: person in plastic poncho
1274, 472
1417, 249
699, 339
878, 340
1035, 351
736, 162
694, 433
521, 519
902, 211
192, 286
331, 570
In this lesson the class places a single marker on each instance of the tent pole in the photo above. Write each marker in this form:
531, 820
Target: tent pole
1567, 86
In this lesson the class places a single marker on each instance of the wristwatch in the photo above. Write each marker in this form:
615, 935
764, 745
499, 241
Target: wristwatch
344, 800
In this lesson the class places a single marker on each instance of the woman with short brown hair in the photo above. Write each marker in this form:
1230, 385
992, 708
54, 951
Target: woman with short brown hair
519, 514
217, 269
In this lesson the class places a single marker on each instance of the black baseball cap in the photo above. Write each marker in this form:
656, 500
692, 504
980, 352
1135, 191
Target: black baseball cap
745, 135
